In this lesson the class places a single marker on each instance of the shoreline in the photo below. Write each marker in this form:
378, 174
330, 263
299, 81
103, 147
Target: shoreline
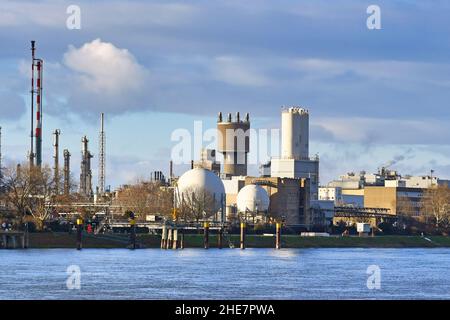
115, 241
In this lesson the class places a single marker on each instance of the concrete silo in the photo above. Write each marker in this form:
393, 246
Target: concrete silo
233, 141
295, 133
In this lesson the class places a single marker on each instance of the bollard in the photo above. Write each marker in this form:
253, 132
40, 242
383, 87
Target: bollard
220, 238
175, 239
278, 236
206, 234
79, 233
182, 239
243, 235
163, 237
169, 239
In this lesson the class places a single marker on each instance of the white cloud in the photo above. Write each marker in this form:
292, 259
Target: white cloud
102, 68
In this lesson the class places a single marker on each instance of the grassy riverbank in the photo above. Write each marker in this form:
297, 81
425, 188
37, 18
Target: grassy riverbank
64, 240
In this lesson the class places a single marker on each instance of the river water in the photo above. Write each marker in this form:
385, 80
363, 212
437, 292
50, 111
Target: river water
226, 274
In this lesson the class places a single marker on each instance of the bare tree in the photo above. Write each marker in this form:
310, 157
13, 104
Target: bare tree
436, 203
30, 191
197, 205
144, 198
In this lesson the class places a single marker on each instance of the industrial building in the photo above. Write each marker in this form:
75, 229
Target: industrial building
233, 141
295, 161
393, 199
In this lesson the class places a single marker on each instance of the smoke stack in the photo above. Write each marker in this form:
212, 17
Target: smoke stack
31, 152
39, 76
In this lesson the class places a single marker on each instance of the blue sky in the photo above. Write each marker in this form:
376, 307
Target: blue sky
155, 66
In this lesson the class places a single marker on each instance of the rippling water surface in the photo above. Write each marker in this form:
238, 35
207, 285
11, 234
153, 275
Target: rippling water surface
225, 274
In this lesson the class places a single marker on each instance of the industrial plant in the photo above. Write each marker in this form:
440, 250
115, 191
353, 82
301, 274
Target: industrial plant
222, 196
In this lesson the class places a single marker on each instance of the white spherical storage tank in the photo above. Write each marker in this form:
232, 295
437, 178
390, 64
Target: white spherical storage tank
253, 198
199, 187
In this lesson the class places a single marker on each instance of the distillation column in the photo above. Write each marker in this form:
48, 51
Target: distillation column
66, 172
56, 134
86, 172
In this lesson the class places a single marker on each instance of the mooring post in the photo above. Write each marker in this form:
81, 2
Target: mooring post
206, 235
182, 239
243, 226
169, 238
4, 242
13, 241
278, 236
175, 239
27, 236
79, 233
220, 238
163, 237
132, 231
22, 239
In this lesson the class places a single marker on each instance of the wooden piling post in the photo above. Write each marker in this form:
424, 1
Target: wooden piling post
132, 231
182, 239
175, 239
169, 238
243, 226
13, 237
220, 238
5, 242
79, 233
206, 235
278, 236
163, 237
22, 239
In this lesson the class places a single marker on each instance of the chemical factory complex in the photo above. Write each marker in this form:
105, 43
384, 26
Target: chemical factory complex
287, 192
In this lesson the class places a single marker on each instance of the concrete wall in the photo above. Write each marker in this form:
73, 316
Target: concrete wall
381, 197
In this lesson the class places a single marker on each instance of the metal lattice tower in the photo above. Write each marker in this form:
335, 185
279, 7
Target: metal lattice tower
101, 156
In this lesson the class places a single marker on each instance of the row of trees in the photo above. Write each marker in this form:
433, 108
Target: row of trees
149, 198
29, 193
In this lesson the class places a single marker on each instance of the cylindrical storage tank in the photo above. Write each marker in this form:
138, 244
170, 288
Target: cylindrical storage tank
233, 141
253, 198
201, 189
295, 133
